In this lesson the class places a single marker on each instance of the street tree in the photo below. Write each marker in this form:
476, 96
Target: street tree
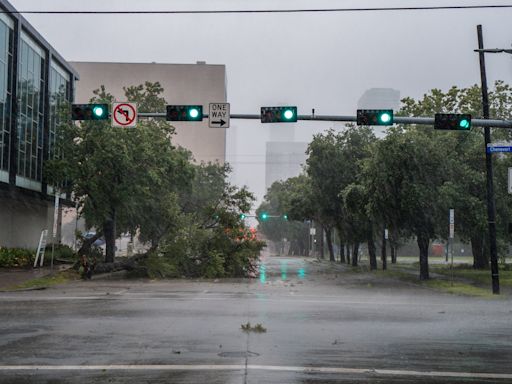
403, 178
114, 173
464, 155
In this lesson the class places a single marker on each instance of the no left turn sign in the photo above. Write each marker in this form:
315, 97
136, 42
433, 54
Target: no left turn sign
124, 115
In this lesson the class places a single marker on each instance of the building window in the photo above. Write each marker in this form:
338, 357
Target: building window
31, 82
60, 98
6, 48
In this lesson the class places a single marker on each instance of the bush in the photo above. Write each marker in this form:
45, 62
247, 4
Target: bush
214, 265
159, 267
62, 252
16, 257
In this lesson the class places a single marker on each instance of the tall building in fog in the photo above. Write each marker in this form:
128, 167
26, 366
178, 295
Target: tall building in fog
380, 98
283, 156
284, 159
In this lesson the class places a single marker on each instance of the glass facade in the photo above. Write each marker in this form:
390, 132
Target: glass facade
6, 49
31, 83
60, 97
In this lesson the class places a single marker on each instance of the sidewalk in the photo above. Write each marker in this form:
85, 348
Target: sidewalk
10, 277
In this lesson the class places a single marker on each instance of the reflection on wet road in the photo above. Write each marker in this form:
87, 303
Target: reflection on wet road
282, 268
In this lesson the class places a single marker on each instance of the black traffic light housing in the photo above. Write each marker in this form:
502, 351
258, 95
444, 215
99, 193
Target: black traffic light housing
184, 113
279, 114
374, 117
452, 121
89, 112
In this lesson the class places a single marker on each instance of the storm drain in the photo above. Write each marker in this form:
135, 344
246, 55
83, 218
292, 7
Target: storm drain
239, 354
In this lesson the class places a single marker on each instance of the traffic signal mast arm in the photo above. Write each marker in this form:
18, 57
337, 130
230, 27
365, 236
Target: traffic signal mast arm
396, 119
266, 216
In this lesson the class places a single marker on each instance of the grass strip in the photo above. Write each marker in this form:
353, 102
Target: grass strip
48, 281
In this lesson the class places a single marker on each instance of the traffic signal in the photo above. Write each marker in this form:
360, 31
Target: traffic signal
278, 114
452, 121
374, 117
242, 216
285, 216
263, 216
184, 113
89, 111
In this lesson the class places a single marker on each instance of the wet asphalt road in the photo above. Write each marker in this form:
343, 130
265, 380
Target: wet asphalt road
324, 325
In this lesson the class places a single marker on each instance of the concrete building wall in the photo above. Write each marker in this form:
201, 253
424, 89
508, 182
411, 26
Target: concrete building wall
22, 221
183, 84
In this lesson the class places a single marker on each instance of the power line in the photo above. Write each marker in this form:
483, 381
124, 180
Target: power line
256, 11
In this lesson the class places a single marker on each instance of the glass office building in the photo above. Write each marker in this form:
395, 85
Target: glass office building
35, 81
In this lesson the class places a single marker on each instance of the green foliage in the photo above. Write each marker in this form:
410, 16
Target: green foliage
159, 267
258, 328
16, 257
62, 252
278, 200
209, 238
123, 179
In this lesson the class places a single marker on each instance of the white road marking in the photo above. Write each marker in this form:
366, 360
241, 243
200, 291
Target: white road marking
275, 368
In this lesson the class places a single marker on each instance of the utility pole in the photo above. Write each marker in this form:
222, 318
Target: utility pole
491, 206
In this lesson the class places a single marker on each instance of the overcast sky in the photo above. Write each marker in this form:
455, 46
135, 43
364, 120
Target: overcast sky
313, 60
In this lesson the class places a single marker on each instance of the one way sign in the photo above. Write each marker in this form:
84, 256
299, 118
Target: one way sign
219, 115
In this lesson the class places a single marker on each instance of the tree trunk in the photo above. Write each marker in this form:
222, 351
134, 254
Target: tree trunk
109, 229
85, 248
347, 248
383, 255
480, 259
328, 236
355, 254
342, 253
371, 249
423, 243
393, 253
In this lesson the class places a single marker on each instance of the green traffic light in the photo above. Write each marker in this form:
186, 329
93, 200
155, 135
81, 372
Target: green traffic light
464, 123
452, 121
284, 114
288, 114
98, 111
285, 216
374, 117
264, 216
193, 113
242, 216
184, 113
89, 111
385, 118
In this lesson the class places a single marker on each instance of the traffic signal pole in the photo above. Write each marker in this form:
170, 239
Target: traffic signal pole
491, 206
347, 118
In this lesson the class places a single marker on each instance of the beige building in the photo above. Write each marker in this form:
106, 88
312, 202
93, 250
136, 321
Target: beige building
196, 84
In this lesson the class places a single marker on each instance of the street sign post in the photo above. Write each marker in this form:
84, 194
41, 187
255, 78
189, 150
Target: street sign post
510, 180
499, 146
218, 116
452, 223
450, 241
124, 114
